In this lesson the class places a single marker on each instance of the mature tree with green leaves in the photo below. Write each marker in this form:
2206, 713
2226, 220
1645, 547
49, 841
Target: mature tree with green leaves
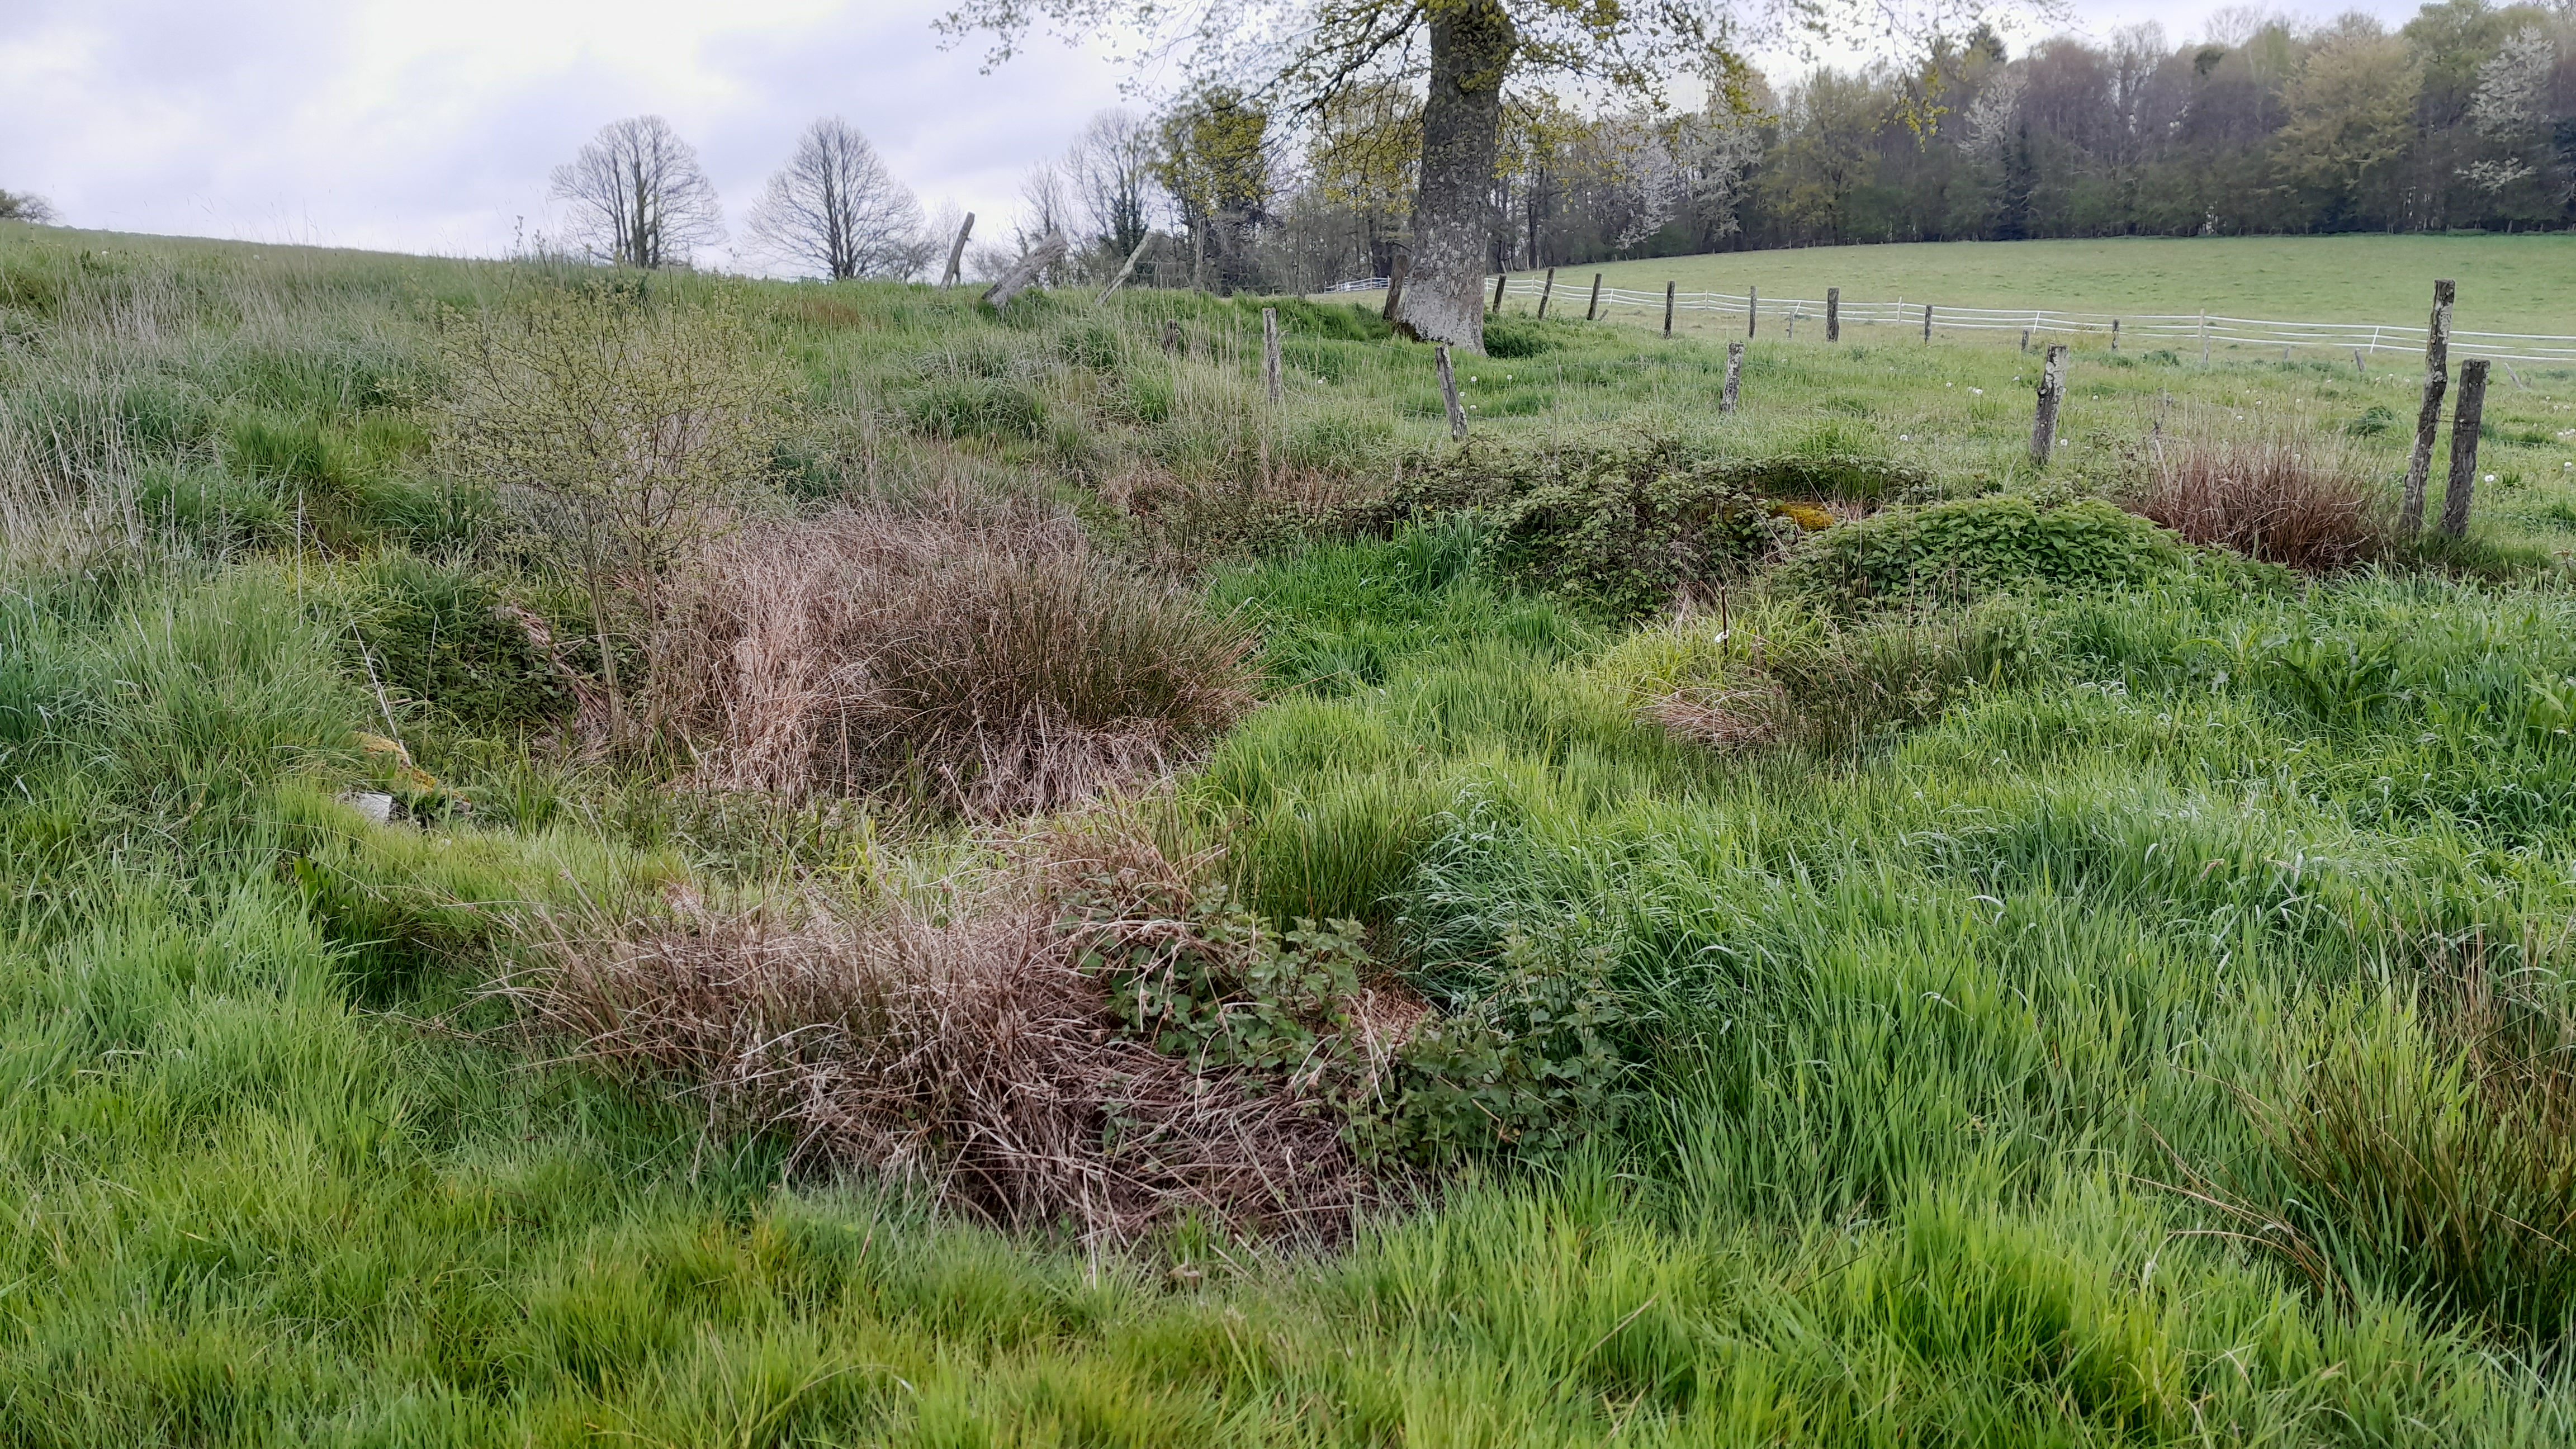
1306, 52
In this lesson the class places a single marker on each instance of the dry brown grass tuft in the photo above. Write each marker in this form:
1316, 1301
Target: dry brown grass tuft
960, 1045
2304, 502
977, 653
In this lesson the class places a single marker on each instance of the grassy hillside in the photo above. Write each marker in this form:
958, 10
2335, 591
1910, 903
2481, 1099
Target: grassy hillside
2507, 283
1847, 938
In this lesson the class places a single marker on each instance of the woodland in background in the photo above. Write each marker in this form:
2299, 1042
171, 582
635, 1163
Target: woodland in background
2463, 117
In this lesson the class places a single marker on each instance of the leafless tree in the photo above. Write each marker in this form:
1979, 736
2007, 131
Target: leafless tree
25, 206
1111, 168
836, 210
638, 195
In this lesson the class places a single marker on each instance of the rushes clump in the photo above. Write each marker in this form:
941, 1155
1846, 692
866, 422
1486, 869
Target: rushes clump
2306, 503
978, 655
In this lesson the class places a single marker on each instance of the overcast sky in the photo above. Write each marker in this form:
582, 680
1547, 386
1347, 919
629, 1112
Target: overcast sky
431, 127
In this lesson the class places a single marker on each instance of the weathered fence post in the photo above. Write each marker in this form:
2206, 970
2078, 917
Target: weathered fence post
1752, 308
1396, 267
1592, 309
1126, 271
2204, 337
1833, 314
2358, 365
2025, 339
1546, 290
1270, 350
1499, 279
1449, 393
1668, 308
1927, 322
2052, 391
1025, 272
2428, 416
2465, 417
1734, 376
2115, 336
957, 253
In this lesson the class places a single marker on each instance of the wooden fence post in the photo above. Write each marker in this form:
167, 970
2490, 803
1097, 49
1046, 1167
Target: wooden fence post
1126, 271
1449, 393
1927, 322
1734, 376
2204, 337
2052, 391
1592, 309
957, 253
2358, 365
1025, 272
2025, 339
1668, 308
1833, 314
2428, 416
1545, 291
2115, 336
2465, 417
1499, 279
1396, 267
1752, 308
1270, 350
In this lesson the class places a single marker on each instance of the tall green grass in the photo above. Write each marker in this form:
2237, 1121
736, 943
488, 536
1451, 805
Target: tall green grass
1970, 1052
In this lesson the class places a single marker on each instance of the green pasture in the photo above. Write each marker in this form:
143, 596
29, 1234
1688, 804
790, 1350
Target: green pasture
1976, 1042
2507, 283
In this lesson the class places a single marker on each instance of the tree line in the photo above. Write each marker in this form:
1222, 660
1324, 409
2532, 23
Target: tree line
2462, 117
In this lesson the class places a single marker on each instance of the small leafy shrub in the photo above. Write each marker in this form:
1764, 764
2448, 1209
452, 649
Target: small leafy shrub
1531, 1065
2304, 503
1628, 533
1978, 545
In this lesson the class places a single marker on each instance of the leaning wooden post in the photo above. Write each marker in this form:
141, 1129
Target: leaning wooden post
1025, 272
2115, 336
2052, 391
2358, 365
1449, 393
2025, 339
1270, 350
1545, 291
2428, 416
1752, 308
1734, 377
1668, 308
1592, 309
1126, 271
1927, 323
1499, 279
957, 253
1833, 314
2465, 418
1395, 271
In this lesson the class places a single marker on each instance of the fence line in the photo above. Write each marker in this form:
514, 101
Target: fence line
2194, 328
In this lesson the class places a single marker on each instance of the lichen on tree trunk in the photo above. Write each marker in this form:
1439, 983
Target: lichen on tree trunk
1472, 42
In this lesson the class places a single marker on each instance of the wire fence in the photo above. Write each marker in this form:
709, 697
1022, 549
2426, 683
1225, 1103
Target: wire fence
2174, 330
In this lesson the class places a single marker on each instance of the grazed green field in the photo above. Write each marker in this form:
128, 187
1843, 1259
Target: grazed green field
2126, 1007
2507, 283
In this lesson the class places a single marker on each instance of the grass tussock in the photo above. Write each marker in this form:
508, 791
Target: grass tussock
972, 1044
2306, 502
982, 656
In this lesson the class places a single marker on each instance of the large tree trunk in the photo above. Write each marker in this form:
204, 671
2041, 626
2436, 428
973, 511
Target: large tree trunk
1472, 42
